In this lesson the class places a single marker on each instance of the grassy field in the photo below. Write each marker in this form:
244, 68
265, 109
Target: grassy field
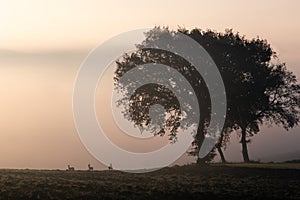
230, 181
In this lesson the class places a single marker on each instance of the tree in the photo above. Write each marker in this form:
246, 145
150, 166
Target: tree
150, 94
271, 97
257, 90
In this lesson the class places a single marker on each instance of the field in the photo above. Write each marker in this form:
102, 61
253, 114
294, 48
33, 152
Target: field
230, 181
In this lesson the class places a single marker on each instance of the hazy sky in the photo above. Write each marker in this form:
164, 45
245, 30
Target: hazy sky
42, 44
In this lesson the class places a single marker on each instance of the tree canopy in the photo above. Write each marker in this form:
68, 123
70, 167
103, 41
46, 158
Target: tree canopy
259, 88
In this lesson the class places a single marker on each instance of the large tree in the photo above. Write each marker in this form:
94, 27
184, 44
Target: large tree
257, 90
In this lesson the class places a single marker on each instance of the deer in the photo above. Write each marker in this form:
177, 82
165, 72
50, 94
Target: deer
70, 168
110, 167
90, 167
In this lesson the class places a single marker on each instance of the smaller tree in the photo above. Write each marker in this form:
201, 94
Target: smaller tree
258, 91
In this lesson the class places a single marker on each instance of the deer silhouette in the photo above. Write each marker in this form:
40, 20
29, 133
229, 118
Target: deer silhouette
70, 168
110, 167
90, 167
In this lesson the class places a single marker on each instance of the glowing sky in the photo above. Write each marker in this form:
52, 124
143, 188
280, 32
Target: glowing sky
42, 44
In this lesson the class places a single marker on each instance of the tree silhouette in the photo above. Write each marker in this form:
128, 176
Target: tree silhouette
150, 94
257, 90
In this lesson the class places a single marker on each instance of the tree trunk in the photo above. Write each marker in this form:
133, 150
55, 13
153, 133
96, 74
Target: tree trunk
244, 146
221, 154
219, 148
